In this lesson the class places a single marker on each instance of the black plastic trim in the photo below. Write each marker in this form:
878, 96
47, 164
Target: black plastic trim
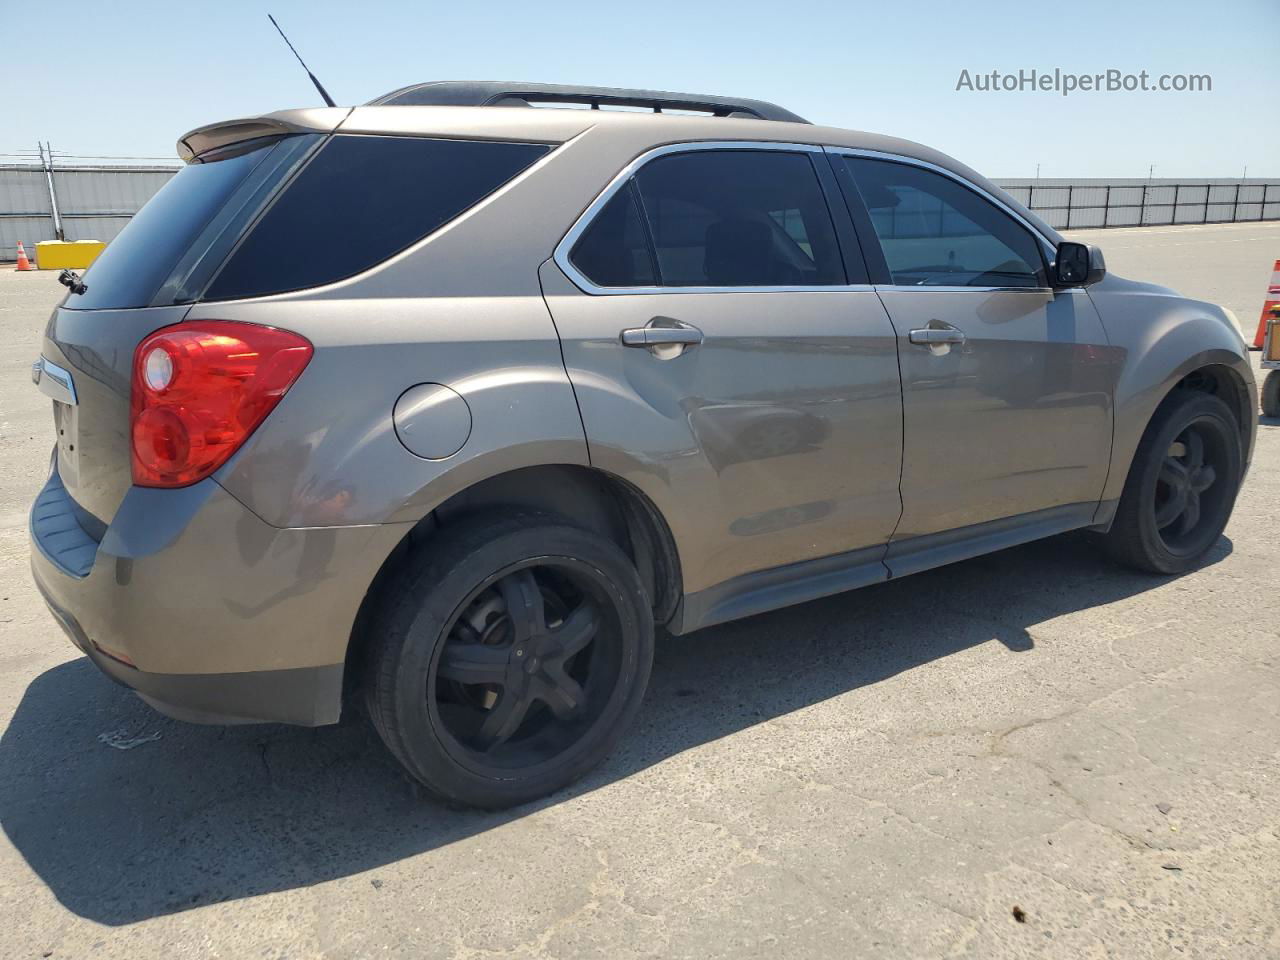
56, 530
855, 260
779, 587
939, 549
868, 241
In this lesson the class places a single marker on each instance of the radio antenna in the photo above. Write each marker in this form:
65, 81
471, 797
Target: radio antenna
324, 94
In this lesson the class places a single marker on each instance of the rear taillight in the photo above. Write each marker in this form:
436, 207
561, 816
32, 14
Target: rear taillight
200, 389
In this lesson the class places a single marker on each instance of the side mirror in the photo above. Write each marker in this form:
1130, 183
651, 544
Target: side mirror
1078, 265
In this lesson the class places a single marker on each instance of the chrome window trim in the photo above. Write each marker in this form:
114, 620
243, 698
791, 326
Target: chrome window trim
566, 244
1049, 248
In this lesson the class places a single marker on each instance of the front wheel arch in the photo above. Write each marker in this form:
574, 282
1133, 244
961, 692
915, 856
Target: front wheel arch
1137, 536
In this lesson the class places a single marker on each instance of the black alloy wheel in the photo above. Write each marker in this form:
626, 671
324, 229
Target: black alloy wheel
507, 656
1181, 486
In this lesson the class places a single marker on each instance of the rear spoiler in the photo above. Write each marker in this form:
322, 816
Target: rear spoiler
215, 136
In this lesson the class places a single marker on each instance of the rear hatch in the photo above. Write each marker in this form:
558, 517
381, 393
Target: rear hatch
147, 278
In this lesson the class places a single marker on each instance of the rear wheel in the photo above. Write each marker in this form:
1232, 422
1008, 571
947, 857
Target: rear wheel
1181, 487
508, 658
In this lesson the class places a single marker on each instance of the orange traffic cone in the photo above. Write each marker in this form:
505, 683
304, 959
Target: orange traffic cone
25, 264
1272, 301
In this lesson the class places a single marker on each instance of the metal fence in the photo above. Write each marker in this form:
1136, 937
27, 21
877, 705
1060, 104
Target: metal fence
1077, 204
93, 202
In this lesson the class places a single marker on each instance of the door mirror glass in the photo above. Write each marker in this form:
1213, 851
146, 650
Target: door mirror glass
1078, 264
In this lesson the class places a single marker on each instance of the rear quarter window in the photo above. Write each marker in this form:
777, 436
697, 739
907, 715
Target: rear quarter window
360, 200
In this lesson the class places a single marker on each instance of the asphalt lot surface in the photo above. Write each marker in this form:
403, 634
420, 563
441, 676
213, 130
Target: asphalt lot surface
1034, 753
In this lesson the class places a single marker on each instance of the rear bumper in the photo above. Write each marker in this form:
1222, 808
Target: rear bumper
209, 613
309, 696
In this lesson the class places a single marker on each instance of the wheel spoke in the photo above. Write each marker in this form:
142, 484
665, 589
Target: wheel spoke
524, 604
1174, 473
504, 719
1172, 508
1190, 515
577, 630
561, 692
473, 663
1204, 479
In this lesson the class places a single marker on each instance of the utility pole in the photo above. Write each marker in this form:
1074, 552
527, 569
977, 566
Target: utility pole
1037, 171
1151, 171
46, 161
1245, 175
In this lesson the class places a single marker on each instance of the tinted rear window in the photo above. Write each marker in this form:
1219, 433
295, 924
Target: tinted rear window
360, 200
739, 218
133, 267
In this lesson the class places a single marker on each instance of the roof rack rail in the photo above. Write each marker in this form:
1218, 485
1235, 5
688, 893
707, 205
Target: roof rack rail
492, 93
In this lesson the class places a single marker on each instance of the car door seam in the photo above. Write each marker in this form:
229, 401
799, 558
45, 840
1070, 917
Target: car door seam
902, 420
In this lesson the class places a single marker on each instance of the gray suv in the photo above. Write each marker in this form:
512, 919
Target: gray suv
443, 404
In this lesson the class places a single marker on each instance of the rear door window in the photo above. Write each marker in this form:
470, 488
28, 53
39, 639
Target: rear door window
739, 218
360, 200
714, 218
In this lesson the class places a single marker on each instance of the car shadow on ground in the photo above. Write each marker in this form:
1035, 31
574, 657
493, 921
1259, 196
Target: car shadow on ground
207, 814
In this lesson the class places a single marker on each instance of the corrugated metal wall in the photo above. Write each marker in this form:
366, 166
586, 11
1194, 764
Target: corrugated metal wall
96, 202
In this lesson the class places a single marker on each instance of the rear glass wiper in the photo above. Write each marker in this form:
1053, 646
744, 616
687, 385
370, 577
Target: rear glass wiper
71, 280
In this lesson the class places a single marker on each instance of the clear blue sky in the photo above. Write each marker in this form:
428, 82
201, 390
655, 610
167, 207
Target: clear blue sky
129, 78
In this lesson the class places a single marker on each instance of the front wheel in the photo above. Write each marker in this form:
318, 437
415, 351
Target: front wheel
1181, 486
508, 657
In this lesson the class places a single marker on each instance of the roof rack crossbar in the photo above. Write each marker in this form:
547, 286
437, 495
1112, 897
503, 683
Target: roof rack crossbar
496, 93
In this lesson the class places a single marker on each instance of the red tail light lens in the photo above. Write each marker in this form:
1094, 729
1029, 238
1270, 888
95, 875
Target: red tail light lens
200, 389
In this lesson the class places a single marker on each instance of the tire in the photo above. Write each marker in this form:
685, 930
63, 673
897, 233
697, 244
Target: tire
1156, 528
486, 708
1271, 394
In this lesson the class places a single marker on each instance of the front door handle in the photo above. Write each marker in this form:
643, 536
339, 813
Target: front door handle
929, 336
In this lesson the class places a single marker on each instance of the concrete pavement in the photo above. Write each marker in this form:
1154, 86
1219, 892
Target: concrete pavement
1030, 754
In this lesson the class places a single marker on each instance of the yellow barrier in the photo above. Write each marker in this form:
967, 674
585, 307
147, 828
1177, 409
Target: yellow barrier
72, 254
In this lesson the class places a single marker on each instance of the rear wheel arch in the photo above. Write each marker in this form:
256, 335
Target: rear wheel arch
596, 500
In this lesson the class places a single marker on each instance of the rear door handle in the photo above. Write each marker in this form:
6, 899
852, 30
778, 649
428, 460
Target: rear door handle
664, 338
929, 336
656, 336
